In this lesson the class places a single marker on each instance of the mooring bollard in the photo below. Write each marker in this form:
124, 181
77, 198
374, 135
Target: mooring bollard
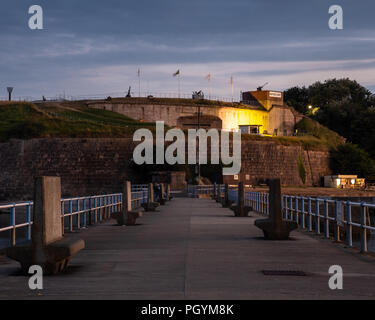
240, 210
275, 228
126, 216
151, 205
48, 248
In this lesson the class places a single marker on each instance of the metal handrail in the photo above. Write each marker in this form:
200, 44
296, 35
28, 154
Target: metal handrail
309, 212
76, 212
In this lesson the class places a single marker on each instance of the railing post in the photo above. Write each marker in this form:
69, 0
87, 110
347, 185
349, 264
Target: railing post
285, 207
317, 218
291, 208
95, 215
303, 225
337, 227
70, 209
84, 217
349, 227
363, 229
90, 212
78, 216
296, 215
309, 217
28, 220
326, 219
13, 224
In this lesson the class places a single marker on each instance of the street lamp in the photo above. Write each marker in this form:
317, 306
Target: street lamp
10, 90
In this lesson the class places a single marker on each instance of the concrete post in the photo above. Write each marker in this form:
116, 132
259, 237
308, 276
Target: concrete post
214, 192
48, 248
168, 191
47, 222
274, 228
275, 202
162, 194
126, 203
150, 205
218, 193
241, 200
150, 193
226, 193
226, 202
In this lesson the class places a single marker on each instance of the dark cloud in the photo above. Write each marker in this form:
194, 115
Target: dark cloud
82, 36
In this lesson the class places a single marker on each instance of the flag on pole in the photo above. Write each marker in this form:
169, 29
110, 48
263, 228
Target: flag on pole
208, 77
139, 72
176, 73
231, 80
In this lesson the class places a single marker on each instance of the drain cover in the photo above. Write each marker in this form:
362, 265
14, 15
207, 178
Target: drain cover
284, 273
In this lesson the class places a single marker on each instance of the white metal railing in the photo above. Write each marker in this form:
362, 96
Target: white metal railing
76, 213
319, 215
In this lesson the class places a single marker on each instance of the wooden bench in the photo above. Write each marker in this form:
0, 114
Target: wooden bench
48, 248
127, 216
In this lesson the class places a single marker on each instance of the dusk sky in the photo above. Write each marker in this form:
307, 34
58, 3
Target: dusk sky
96, 47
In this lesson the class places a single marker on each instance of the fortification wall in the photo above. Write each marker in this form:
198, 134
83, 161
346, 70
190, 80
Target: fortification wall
86, 166
99, 166
265, 160
278, 118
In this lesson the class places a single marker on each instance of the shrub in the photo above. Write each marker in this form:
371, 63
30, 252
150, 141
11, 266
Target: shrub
350, 159
301, 169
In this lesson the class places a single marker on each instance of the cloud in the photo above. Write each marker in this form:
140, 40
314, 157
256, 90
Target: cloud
96, 46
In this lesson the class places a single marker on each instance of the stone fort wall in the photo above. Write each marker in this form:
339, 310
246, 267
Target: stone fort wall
99, 166
266, 160
280, 118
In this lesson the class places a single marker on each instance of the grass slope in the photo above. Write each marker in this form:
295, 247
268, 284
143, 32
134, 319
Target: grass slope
27, 120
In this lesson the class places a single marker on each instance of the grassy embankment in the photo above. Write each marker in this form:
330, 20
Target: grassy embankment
74, 119
27, 120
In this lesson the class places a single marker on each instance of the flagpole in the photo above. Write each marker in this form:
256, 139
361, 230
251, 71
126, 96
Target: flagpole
232, 82
139, 82
179, 87
209, 88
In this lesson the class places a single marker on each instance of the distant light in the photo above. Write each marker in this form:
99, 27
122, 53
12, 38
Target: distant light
352, 181
338, 181
310, 107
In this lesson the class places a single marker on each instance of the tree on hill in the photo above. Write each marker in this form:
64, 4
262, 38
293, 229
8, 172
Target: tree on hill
350, 159
343, 105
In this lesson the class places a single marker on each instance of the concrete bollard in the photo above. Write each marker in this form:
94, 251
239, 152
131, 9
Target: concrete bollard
213, 197
151, 205
126, 216
274, 228
240, 210
162, 194
48, 248
218, 194
226, 203
168, 192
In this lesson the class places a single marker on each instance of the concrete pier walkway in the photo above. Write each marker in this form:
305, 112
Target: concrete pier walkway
194, 249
